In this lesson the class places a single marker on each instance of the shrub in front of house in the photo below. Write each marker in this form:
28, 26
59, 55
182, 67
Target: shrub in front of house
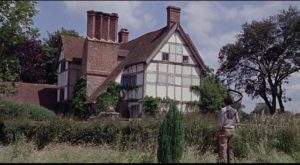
151, 105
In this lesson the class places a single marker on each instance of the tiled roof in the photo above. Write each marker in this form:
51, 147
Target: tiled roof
72, 46
142, 47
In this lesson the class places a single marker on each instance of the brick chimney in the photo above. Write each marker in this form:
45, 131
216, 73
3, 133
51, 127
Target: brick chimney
91, 23
102, 26
123, 36
113, 26
173, 15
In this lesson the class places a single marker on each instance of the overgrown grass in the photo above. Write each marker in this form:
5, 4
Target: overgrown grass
262, 139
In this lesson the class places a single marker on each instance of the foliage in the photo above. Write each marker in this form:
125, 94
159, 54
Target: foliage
212, 93
21, 111
171, 137
15, 28
31, 61
108, 100
80, 108
7, 89
151, 105
261, 109
40, 114
265, 54
52, 49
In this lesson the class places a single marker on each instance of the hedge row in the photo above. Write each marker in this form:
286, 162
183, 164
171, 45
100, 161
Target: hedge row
143, 134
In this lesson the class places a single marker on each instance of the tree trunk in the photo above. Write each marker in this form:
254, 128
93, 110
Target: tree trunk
279, 97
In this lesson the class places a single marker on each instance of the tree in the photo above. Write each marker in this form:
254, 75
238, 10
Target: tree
52, 50
171, 137
15, 28
31, 59
262, 59
212, 93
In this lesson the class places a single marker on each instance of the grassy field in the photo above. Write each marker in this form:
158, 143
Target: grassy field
23, 152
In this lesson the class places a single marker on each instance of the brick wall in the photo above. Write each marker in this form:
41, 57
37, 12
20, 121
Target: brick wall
39, 94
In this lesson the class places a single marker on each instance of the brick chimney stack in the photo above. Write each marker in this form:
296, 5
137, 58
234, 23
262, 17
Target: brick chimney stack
173, 15
123, 36
91, 23
102, 26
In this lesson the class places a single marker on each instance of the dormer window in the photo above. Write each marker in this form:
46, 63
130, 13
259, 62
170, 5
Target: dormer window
185, 59
165, 57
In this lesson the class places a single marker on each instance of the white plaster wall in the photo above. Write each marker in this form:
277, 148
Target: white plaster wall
178, 93
139, 78
118, 78
151, 77
61, 56
171, 91
152, 67
66, 93
162, 68
150, 90
158, 56
62, 79
161, 91
186, 94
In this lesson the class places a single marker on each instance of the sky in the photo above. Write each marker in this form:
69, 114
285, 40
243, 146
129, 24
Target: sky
211, 25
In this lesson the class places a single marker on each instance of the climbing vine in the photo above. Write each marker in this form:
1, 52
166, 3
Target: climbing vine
108, 101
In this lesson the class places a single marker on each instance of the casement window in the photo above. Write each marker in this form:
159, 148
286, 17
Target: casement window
133, 80
185, 59
61, 94
165, 57
129, 80
124, 81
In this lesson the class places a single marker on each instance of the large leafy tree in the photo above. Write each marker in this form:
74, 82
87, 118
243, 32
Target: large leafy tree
31, 59
15, 27
263, 57
52, 50
212, 93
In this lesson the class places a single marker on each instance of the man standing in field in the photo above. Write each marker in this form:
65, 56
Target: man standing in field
228, 120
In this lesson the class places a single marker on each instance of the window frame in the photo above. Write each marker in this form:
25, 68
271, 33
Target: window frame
185, 59
165, 57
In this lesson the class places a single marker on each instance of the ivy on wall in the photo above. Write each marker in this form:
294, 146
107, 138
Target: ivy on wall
108, 101
80, 108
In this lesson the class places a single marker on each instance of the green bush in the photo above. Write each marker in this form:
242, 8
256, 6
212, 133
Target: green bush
40, 114
240, 147
22, 111
13, 110
151, 105
285, 139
